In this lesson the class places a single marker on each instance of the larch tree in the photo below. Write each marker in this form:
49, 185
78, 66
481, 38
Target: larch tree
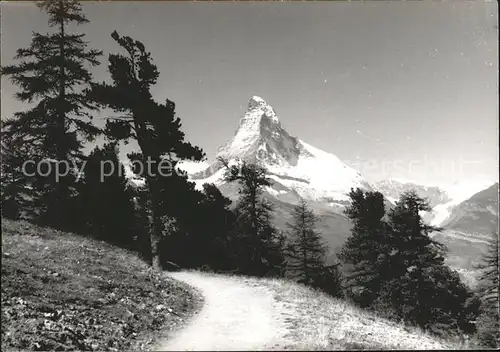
258, 242
421, 288
306, 251
489, 319
399, 270
489, 271
364, 250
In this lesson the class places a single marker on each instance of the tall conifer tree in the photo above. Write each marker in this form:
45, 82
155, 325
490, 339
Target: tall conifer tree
157, 130
363, 252
52, 74
306, 251
258, 242
489, 320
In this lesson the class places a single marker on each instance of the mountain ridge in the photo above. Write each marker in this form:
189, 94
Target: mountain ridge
296, 168
477, 214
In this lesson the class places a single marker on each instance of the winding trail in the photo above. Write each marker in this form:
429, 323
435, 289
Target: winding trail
235, 316
241, 313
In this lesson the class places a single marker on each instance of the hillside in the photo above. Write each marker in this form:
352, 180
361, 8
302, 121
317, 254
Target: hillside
64, 292
439, 200
281, 315
477, 215
392, 189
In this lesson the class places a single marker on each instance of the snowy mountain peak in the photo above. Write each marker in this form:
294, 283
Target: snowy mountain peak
260, 111
260, 137
296, 168
256, 102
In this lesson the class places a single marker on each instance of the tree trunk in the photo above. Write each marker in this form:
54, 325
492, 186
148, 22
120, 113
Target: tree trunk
156, 235
157, 228
59, 214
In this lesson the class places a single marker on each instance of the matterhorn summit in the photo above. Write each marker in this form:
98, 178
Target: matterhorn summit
260, 137
298, 169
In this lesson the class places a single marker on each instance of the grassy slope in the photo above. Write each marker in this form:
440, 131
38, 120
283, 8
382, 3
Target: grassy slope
316, 321
64, 292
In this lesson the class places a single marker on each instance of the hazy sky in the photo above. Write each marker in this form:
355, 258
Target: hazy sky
394, 89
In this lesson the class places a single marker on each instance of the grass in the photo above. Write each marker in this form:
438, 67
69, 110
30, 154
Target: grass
62, 292
316, 321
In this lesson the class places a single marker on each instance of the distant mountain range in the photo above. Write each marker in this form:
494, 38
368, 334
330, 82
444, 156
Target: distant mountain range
392, 189
297, 169
477, 215
439, 200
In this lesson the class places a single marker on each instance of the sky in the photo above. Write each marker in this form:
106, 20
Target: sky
405, 90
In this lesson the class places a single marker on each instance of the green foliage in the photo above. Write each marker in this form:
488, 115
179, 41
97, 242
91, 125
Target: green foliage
256, 242
215, 224
51, 75
365, 252
397, 269
330, 280
305, 251
432, 293
489, 319
203, 242
488, 329
16, 189
489, 271
432, 298
157, 131
106, 201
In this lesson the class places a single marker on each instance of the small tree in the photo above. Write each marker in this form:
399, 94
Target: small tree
16, 187
204, 242
330, 281
107, 201
217, 221
488, 268
364, 251
257, 244
489, 319
421, 288
399, 270
306, 250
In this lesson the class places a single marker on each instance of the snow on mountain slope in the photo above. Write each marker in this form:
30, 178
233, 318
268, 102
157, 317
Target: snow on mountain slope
393, 188
458, 192
297, 168
192, 166
442, 212
439, 200
443, 199
462, 190
478, 214
465, 223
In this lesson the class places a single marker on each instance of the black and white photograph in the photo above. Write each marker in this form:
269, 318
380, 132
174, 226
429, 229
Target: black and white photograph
249, 175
